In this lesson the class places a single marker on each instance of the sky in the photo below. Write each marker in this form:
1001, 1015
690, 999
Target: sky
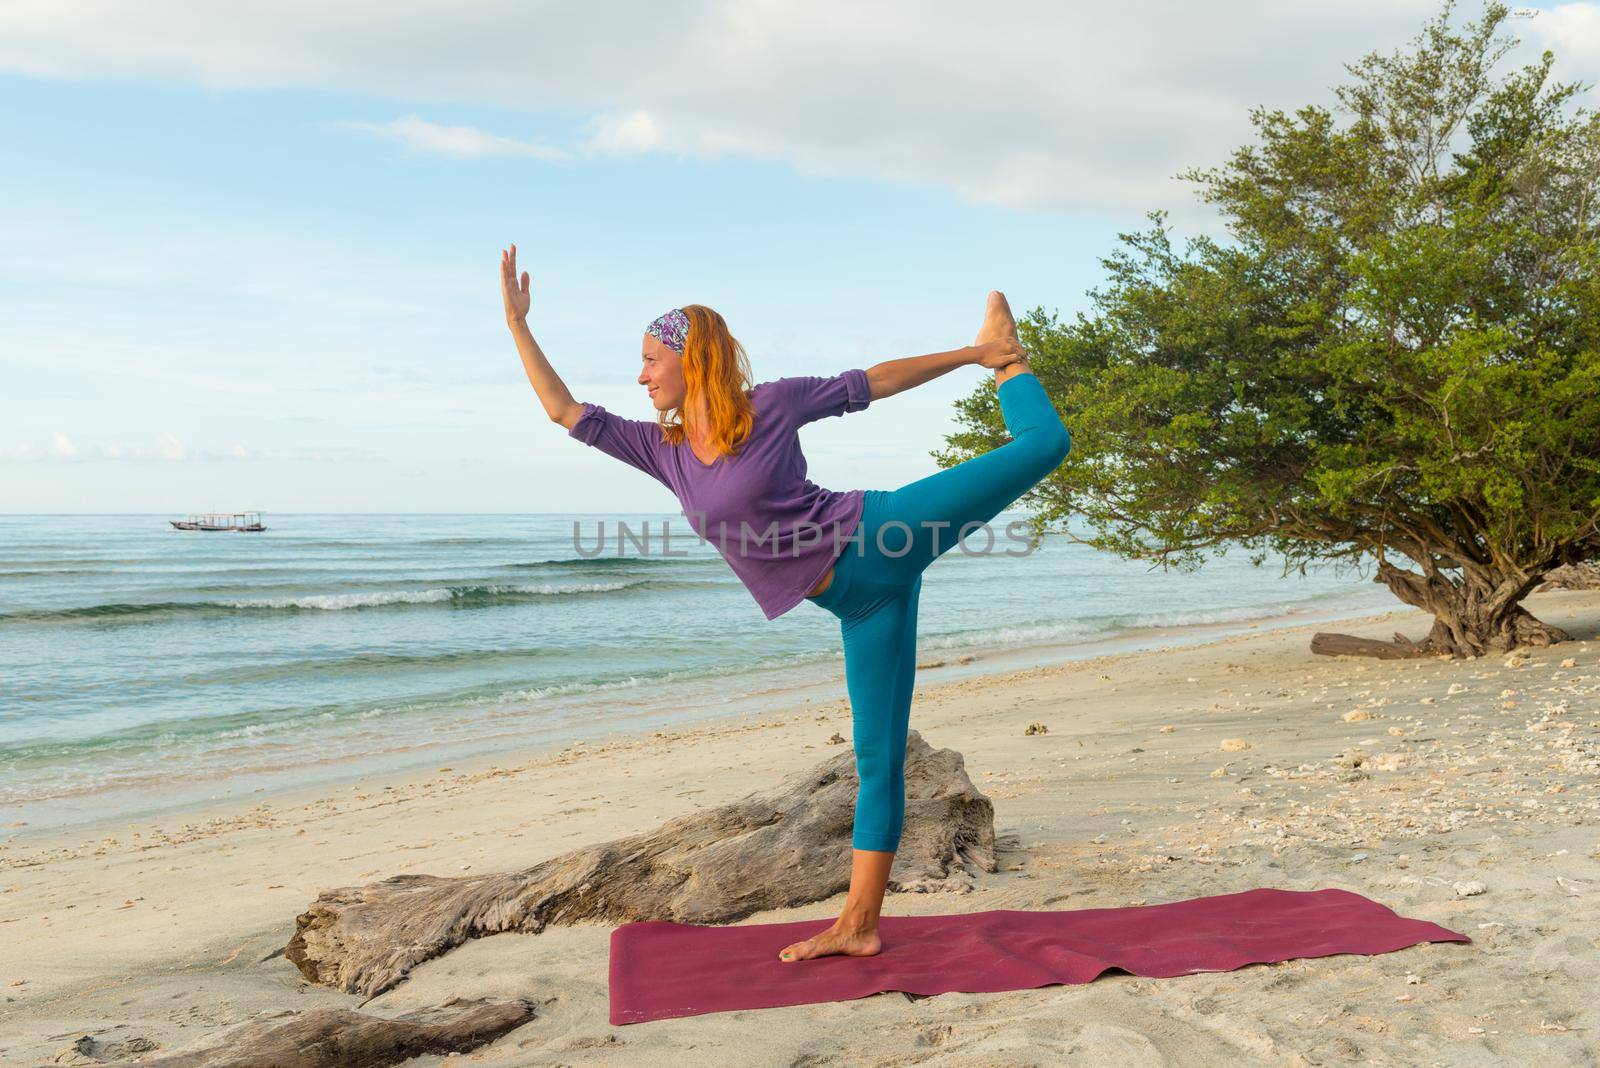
249, 253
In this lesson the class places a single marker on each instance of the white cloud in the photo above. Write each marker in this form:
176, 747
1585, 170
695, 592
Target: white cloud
171, 447
1031, 105
1576, 26
62, 447
416, 132
623, 134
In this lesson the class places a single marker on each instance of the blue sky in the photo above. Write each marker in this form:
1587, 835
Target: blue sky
262, 276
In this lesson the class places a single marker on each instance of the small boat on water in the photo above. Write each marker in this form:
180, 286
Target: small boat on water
237, 522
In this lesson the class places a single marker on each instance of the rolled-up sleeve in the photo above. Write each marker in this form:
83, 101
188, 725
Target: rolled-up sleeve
812, 398
633, 441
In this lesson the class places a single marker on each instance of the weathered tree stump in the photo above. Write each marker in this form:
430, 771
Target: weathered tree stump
344, 1038
763, 851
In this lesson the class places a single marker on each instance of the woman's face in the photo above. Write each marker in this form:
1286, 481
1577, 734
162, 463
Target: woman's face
661, 373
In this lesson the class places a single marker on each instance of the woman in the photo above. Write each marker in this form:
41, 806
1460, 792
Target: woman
732, 457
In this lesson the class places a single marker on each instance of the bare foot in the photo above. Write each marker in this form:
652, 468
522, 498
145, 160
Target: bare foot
998, 323
997, 320
845, 941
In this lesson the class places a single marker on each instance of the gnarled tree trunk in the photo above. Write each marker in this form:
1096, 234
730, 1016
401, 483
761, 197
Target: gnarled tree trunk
1473, 617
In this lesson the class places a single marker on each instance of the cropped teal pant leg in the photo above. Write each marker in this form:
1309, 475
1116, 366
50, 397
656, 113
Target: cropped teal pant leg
877, 582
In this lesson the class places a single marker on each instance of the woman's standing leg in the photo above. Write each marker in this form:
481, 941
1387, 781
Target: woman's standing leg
878, 624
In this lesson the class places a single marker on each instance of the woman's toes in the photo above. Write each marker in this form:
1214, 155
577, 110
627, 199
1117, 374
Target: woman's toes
796, 951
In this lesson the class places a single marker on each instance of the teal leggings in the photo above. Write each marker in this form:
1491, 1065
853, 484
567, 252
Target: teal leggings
877, 581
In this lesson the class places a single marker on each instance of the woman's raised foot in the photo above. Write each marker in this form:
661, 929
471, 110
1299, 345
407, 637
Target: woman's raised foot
997, 320
998, 323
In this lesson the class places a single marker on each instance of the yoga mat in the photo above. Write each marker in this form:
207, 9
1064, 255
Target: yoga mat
661, 970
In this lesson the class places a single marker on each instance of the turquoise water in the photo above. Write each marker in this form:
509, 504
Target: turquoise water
135, 658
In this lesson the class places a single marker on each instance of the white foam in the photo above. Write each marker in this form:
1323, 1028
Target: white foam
333, 602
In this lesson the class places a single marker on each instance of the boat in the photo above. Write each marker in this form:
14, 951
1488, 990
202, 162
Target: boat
236, 522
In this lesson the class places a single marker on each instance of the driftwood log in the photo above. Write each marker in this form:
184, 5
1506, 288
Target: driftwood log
344, 1038
763, 851
1584, 576
1402, 648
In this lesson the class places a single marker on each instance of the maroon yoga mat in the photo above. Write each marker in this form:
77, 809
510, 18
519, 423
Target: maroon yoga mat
660, 969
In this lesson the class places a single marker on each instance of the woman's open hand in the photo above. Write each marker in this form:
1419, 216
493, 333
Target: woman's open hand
516, 295
1000, 352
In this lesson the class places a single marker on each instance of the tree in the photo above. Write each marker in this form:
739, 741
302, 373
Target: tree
1397, 357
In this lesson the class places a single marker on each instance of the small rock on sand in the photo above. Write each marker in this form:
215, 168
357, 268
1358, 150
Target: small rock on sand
1037, 728
1360, 715
1469, 888
1234, 745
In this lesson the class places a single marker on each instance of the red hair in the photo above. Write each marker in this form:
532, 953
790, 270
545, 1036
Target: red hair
714, 367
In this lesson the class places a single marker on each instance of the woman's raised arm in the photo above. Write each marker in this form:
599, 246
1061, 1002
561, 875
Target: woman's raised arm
558, 401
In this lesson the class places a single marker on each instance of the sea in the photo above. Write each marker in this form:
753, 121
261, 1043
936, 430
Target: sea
145, 669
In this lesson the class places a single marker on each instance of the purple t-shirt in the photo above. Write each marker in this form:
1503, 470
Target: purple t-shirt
778, 530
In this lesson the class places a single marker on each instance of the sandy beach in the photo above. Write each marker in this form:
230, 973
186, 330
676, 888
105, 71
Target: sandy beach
1460, 792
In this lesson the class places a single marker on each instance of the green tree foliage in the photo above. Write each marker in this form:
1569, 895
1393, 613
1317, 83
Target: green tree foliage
1398, 355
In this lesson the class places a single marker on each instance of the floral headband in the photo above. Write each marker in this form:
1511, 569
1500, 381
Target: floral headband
672, 328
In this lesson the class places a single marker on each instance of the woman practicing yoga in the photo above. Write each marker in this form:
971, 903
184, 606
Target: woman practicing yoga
732, 456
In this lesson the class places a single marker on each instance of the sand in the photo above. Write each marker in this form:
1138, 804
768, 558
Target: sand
1462, 792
